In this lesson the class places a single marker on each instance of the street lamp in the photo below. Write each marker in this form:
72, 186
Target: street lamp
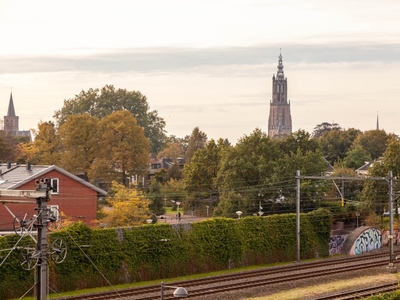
179, 291
239, 213
260, 212
149, 221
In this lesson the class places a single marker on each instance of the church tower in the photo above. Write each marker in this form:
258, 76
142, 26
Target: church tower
280, 119
11, 123
11, 120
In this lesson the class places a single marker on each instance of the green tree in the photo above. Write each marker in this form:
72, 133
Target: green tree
323, 128
197, 140
157, 205
374, 142
356, 157
101, 103
229, 204
312, 192
334, 144
48, 144
201, 174
80, 141
298, 140
249, 166
123, 148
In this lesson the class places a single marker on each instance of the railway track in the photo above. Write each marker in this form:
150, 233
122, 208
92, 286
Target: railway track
265, 277
362, 293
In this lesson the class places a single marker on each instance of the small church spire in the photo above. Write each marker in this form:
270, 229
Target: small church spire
377, 120
11, 110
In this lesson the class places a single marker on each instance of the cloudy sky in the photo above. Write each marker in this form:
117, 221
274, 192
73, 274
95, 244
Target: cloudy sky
207, 63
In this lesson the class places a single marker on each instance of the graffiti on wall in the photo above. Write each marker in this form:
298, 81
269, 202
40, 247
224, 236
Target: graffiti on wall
367, 241
336, 243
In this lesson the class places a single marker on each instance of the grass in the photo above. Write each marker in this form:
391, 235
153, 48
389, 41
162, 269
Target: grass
153, 282
334, 286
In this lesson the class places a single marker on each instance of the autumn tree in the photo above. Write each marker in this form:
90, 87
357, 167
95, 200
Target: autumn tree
128, 207
123, 148
107, 100
80, 141
197, 140
48, 144
173, 151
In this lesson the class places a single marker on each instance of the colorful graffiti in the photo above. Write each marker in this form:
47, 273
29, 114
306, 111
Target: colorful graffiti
367, 241
336, 243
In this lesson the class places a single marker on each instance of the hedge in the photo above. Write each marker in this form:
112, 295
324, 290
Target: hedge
98, 257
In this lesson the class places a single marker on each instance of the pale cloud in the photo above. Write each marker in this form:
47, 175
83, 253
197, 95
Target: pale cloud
206, 63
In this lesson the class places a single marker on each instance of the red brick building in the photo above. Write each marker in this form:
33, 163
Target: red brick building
74, 197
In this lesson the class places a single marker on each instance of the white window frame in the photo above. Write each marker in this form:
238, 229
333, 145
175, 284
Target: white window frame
57, 184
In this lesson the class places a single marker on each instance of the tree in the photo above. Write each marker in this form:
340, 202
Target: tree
308, 163
101, 103
298, 140
128, 207
249, 166
80, 141
157, 201
173, 151
48, 144
323, 128
123, 148
229, 204
198, 140
201, 174
334, 144
356, 157
374, 142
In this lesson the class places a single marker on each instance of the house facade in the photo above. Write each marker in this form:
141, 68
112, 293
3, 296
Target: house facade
74, 197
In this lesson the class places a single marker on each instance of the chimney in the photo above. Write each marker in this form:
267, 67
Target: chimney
28, 166
9, 165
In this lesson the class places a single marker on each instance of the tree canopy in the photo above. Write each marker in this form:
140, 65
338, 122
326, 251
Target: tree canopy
102, 102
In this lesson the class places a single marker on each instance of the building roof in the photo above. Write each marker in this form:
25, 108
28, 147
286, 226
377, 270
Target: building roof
14, 176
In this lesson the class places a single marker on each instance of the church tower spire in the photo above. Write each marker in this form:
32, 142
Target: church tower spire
377, 121
280, 119
11, 120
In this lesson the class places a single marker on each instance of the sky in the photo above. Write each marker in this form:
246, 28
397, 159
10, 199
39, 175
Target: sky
207, 64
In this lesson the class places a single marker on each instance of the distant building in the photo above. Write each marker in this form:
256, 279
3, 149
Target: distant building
11, 122
280, 119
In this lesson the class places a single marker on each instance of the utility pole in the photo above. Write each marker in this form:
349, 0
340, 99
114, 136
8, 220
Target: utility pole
41, 246
390, 181
298, 214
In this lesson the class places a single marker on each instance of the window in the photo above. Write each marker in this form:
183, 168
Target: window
54, 185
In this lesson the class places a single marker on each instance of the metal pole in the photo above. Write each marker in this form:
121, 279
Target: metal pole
298, 215
391, 217
42, 249
162, 290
